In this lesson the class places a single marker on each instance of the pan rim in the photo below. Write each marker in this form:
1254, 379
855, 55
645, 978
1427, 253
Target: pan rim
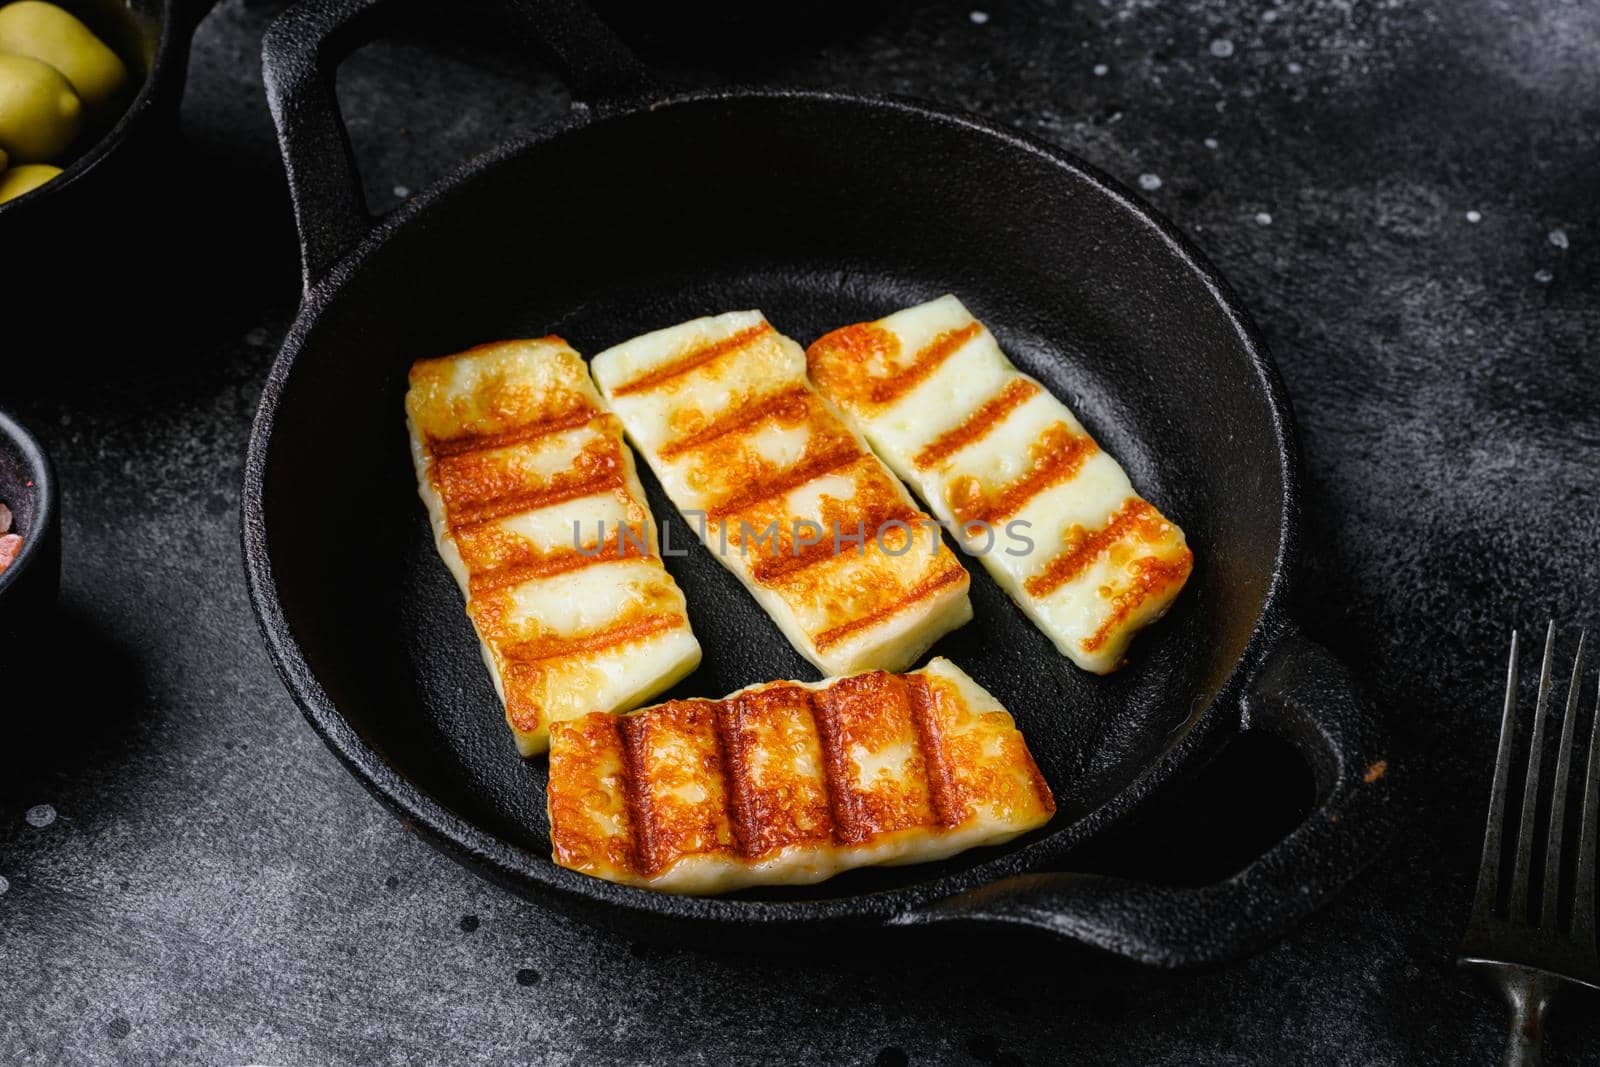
524, 870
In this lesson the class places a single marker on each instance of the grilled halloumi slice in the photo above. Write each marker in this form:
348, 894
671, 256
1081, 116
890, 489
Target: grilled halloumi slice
721, 409
986, 446
788, 783
519, 467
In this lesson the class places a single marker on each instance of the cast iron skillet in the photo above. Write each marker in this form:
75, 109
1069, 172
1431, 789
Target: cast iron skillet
645, 208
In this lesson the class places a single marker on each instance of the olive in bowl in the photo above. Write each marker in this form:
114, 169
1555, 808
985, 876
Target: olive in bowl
113, 187
32, 568
62, 86
82, 82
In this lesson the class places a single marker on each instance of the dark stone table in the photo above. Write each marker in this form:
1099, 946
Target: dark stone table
1407, 195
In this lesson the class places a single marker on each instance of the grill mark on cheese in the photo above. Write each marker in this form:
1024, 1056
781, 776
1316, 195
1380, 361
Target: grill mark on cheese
790, 405
727, 780
634, 733
736, 759
559, 491
977, 425
786, 564
695, 357
951, 575
560, 561
598, 468
658, 829
942, 792
1135, 515
558, 646
443, 447
849, 827
1152, 575
772, 453
1056, 457
548, 443
785, 809
834, 804
838, 361
826, 461
872, 712
857, 367
927, 360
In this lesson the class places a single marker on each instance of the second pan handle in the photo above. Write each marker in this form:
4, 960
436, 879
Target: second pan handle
1310, 700
302, 51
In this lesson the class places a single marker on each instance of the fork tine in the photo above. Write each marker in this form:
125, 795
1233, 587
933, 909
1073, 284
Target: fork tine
1483, 903
1549, 892
1583, 889
1517, 912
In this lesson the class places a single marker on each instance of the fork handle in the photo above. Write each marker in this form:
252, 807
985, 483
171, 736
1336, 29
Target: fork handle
1528, 994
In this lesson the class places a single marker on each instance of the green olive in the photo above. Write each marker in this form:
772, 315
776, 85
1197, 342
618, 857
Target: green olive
39, 112
5, 161
51, 35
25, 178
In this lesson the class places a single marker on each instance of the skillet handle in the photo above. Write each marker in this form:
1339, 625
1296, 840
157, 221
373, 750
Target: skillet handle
1306, 697
303, 48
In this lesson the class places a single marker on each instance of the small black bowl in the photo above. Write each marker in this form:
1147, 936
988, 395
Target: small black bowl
28, 587
87, 230
152, 38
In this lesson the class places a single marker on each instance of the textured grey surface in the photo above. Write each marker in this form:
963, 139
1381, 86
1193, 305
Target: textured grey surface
1383, 183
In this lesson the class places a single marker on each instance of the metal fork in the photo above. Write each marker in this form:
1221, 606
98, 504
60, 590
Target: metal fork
1533, 956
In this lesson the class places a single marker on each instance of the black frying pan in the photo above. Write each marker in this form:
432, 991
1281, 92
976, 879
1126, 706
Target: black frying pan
645, 208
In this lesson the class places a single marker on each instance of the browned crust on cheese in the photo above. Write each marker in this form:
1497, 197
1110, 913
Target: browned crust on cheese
791, 561
510, 428
688, 361
1080, 547
871, 712
930, 736
621, 632
491, 546
1055, 457
970, 778
783, 766
837, 361
578, 787
935, 583
778, 807
977, 425
815, 464
529, 564
597, 470
581, 415
1153, 578
667, 823
787, 406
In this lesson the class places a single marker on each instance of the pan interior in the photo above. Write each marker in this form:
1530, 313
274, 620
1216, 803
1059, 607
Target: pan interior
820, 213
